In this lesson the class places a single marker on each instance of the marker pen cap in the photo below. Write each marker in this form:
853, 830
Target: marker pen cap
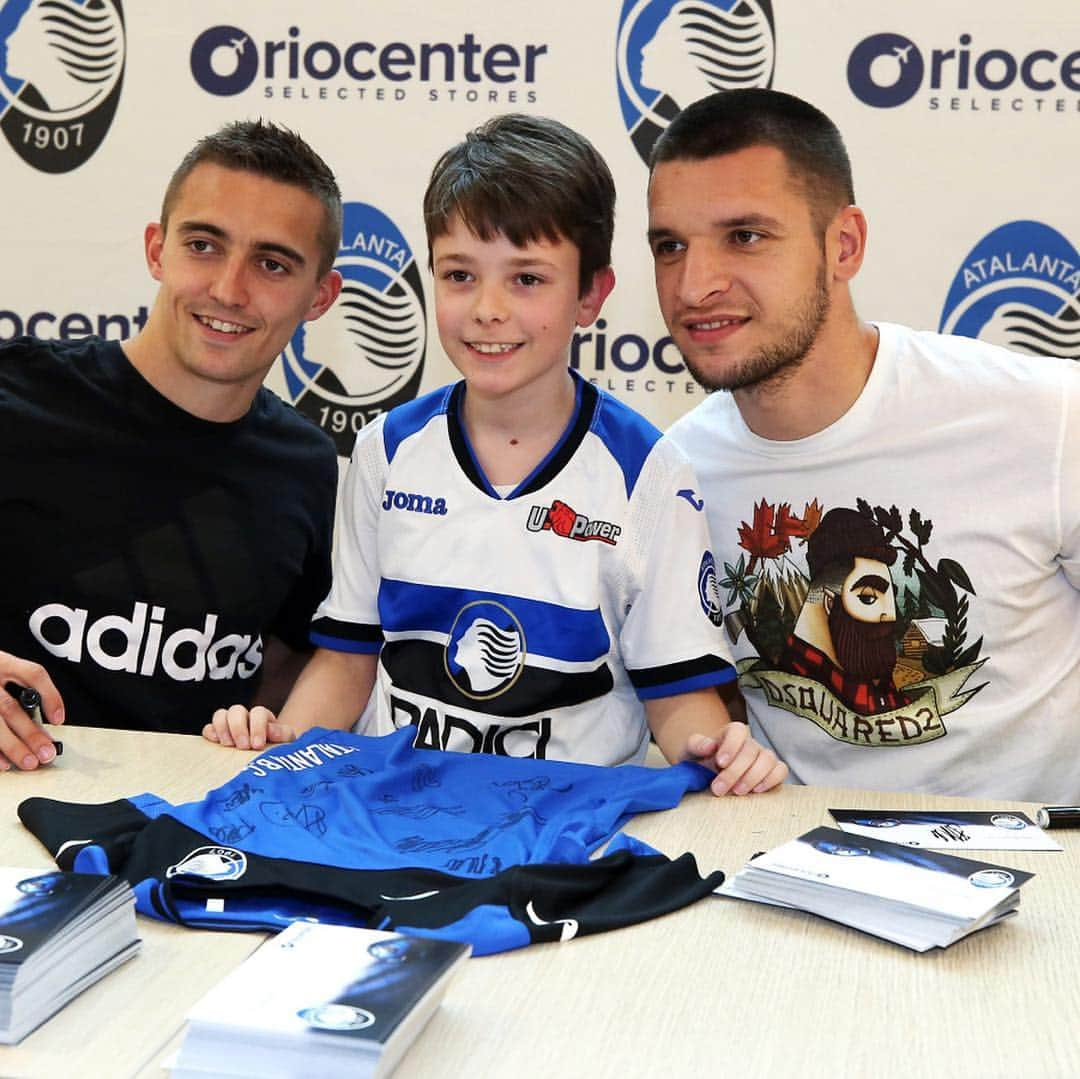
1059, 817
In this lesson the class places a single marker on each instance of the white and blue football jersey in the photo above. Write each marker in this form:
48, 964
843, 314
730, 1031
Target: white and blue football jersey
532, 623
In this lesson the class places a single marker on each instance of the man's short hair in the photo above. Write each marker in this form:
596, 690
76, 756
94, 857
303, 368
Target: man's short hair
528, 178
276, 153
732, 120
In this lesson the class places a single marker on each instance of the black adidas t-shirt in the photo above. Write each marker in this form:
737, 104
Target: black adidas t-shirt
148, 553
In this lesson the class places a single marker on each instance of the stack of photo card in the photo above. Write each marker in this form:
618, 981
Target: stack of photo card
918, 898
325, 1000
59, 933
947, 829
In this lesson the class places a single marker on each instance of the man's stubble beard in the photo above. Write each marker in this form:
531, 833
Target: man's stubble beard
773, 364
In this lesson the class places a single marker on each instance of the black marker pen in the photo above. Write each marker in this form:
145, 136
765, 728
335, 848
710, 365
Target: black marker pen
30, 701
1059, 817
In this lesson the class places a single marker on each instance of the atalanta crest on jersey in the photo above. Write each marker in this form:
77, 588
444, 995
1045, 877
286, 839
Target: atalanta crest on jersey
211, 863
366, 354
857, 629
708, 592
669, 53
61, 70
485, 654
1019, 287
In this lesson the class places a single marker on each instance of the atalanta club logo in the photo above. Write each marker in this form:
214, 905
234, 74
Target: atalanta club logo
709, 590
992, 878
211, 863
366, 354
1019, 287
46, 884
670, 53
485, 654
337, 1017
61, 70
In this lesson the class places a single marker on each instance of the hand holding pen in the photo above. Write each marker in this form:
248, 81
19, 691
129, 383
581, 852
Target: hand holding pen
27, 700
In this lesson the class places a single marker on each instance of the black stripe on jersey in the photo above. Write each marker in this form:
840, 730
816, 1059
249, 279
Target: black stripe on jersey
547, 900
647, 677
458, 442
418, 667
555, 464
347, 631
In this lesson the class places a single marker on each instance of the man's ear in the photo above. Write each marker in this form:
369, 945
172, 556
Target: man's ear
153, 242
589, 305
846, 242
326, 293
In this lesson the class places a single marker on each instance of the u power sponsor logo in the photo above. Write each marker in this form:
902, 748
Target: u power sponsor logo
888, 70
144, 644
1019, 287
61, 71
671, 52
567, 522
366, 354
300, 65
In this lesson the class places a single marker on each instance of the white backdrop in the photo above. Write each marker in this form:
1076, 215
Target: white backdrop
961, 119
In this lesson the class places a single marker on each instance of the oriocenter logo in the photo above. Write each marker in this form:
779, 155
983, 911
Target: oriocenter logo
672, 52
61, 70
300, 66
366, 354
888, 70
1019, 287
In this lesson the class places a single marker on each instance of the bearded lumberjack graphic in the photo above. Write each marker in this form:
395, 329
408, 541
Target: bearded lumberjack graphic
844, 636
871, 628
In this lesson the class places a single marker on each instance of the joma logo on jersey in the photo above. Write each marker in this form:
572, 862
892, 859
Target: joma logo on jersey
140, 645
414, 503
564, 521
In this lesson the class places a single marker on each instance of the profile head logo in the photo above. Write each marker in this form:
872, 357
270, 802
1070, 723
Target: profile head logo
366, 354
211, 863
885, 70
337, 1017
224, 60
709, 590
670, 53
61, 71
485, 654
992, 878
1019, 287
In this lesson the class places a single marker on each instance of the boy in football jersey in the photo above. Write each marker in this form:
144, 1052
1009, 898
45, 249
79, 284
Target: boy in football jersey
523, 567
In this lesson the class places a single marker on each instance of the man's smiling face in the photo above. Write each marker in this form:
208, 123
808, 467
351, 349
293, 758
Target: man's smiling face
237, 262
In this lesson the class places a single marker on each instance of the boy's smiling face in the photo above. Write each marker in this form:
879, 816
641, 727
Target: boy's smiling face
507, 314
